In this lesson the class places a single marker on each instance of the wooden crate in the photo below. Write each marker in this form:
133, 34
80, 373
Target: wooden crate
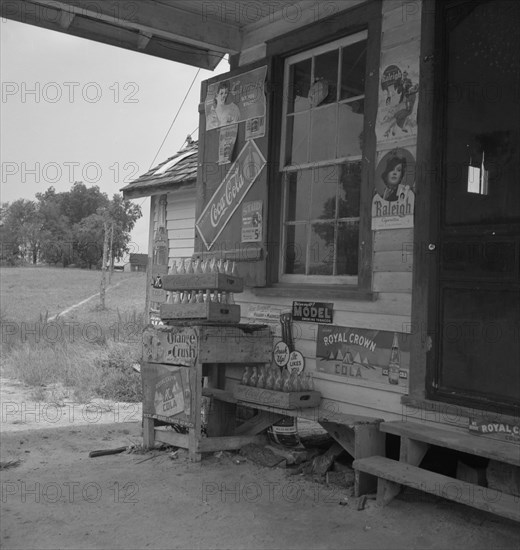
203, 281
185, 345
214, 312
277, 399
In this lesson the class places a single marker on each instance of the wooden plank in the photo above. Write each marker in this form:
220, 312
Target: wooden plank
393, 303
392, 261
181, 223
148, 433
369, 441
394, 239
230, 443
294, 16
203, 281
173, 438
258, 423
450, 488
277, 399
221, 395
206, 311
231, 344
412, 452
180, 233
460, 441
194, 435
343, 434
386, 490
427, 201
392, 282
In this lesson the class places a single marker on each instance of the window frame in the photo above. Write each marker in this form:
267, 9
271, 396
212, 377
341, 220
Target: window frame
299, 168
365, 17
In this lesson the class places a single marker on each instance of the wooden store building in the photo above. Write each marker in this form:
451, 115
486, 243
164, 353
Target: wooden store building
360, 164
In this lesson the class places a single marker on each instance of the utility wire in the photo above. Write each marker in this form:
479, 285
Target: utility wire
175, 118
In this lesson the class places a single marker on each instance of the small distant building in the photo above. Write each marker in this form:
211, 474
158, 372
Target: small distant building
138, 262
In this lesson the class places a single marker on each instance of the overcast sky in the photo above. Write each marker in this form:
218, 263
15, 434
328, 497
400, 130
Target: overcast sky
77, 110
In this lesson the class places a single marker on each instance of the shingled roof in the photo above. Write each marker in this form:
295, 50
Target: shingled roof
178, 171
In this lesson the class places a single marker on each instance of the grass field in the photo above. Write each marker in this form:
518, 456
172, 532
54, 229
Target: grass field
87, 349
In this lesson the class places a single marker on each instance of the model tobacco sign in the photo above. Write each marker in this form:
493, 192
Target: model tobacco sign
230, 193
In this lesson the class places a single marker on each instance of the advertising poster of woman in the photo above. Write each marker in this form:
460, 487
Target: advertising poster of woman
393, 202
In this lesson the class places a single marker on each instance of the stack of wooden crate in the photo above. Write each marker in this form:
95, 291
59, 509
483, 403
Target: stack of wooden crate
202, 291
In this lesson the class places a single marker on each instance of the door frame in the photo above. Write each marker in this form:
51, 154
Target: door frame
430, 157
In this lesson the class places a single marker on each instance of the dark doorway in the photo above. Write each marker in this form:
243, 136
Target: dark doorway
475, 359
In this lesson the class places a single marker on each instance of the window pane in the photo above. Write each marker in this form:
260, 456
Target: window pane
298, 195
353, 70
321, 260
324, 191
349, 190
347, 262
323, 133
295, 249
297, 138
326, 69
483, 110
299, 86
350, 135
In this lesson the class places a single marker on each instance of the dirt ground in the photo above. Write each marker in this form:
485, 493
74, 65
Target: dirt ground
58, 497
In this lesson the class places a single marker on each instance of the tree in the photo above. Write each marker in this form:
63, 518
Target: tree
56, 232
123, 214
82, 201
22, 223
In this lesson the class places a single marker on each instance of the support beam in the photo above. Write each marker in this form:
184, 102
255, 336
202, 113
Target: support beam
165, 21
174, 34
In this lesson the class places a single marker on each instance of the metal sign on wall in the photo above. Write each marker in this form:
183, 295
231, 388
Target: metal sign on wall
230, 193
313, 312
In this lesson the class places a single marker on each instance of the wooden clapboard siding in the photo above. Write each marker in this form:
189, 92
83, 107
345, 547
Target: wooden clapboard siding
392, 261
180, 232
394, 240
180, 222
292, 16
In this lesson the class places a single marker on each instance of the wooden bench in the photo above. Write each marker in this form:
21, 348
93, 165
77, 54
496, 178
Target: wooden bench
392, 474
415, 441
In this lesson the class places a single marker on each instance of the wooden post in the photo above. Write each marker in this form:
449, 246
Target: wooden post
104, 267
111, 254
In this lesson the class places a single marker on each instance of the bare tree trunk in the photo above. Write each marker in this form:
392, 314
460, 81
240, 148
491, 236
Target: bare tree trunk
104, 268
111, 254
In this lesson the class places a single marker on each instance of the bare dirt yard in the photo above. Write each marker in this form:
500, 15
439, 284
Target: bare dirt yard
53, 495
58, 497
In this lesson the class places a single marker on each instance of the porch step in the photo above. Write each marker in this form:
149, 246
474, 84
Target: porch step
387, 470
479, 445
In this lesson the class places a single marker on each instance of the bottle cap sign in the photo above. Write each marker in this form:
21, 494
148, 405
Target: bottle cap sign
281, 354
296, 362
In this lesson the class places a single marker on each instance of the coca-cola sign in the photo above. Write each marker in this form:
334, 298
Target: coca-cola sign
230, 193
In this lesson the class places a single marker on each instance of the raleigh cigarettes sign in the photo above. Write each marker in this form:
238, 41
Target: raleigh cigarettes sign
230, 193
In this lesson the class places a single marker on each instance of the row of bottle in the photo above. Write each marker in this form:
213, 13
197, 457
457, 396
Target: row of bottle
210, 265
199, 297
273, 378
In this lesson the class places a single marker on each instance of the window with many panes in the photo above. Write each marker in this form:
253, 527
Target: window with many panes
321, 155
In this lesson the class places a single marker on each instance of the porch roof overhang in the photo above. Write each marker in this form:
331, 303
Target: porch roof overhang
194, 32
186, 32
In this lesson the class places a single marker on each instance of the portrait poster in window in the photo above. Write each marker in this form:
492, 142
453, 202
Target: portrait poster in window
398, 93
236, 99
394, 197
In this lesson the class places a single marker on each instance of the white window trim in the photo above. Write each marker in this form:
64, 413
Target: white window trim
350, 280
